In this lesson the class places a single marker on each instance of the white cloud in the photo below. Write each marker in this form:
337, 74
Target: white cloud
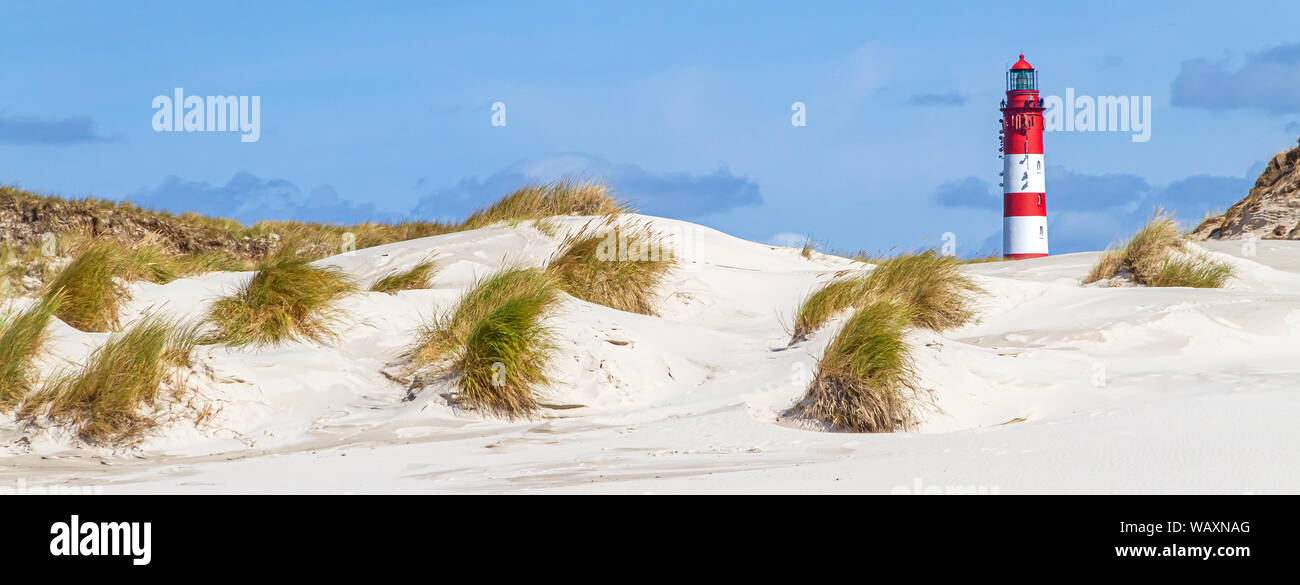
787, 239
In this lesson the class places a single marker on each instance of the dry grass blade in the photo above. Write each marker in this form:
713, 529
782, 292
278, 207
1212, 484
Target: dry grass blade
620, 267
106, 400
865, 382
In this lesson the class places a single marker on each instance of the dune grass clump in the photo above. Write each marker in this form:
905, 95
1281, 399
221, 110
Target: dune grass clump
1144, 252
504, 356
35, 265
197, 263
827, 301
149, 262
107, 400
93, 287
806, 250
447, 332
1158, 256
493, 342
865, 382
929, 284
1191, 272
1107, 266
21, 337
416, 277
564, 197
288, 299
146, 262
620, 267
91, 295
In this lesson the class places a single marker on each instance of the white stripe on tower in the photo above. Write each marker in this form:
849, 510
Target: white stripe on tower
1023, 173
1025, 234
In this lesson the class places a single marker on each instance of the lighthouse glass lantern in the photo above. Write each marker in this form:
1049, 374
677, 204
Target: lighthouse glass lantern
1022, 79
1024, 192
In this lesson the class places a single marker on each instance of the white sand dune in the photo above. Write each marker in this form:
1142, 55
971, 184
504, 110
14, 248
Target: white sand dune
1059, 388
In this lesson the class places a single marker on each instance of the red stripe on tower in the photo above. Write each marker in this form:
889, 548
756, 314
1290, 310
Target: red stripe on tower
1024, 194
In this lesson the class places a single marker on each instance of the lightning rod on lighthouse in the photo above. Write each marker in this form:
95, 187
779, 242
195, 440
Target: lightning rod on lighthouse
1024, 194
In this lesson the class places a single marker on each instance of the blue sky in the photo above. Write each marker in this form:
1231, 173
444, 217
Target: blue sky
383, 110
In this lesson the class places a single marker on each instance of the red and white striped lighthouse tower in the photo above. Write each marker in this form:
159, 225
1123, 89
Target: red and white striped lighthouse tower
1024, 194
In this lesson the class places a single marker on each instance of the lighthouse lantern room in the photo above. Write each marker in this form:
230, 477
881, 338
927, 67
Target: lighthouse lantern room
1024, 194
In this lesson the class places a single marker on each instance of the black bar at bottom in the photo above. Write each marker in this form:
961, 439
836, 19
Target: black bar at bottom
322, 534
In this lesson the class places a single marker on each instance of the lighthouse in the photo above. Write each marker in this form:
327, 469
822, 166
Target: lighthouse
1024, 193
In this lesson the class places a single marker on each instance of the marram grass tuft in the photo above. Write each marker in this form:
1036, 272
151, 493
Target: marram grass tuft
618, 266
1191, 272
416, 277
504, 358
931, 285
21, 337
90, 293
108, 399
447, 332
1157, 256
493, 342
564, 197
288, 299
865, 382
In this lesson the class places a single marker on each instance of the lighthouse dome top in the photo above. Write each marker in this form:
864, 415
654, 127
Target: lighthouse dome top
1022, 64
